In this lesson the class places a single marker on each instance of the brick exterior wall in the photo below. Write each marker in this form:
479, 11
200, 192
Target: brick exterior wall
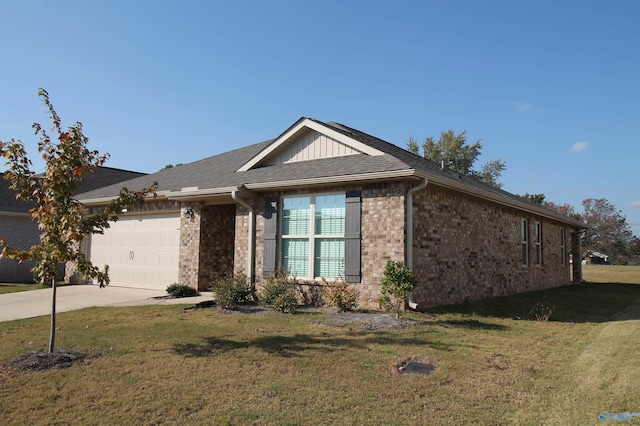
464, 248
189, 257
20, 232
382, 234
206, 244
467, 249
217, 239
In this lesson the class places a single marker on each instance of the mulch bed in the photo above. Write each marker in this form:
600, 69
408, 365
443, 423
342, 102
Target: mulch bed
44, 360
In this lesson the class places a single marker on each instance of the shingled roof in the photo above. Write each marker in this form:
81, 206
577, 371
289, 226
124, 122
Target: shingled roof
222, 172
103, 176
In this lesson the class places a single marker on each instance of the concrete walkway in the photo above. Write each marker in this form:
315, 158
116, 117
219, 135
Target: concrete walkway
35, 303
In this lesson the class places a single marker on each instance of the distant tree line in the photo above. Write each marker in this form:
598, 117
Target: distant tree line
607, 229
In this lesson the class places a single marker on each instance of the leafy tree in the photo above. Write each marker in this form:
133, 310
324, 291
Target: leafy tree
534, 198
565, 209
170, 166
608, 230
453, 151
413, 146
61, 218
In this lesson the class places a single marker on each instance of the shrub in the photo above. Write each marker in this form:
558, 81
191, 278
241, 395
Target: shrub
181, 290
231, 290
397, 282
279, 291
340, 294
541, 312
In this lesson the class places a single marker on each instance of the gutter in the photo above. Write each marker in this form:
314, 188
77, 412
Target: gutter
250, 244
14, 214
408, 244
106, 200
331, 179
192, 193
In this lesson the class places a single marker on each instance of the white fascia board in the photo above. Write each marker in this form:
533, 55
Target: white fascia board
107, 200
200, 193
395, 174
313, 125
14, 214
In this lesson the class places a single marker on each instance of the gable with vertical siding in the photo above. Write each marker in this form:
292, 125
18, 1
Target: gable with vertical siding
311, 145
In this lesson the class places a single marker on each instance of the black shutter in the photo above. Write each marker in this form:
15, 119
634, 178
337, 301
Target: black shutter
352, 239
270, 235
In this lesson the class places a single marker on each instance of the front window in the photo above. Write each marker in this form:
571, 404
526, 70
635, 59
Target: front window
313, 235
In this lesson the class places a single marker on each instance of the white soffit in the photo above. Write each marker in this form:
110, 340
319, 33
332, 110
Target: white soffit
313, 125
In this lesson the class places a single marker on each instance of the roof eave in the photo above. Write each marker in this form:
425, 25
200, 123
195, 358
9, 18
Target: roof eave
159, 195
330, 180
540, 211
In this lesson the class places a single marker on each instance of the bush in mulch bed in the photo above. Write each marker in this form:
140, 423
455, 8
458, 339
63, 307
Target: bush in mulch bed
43, 360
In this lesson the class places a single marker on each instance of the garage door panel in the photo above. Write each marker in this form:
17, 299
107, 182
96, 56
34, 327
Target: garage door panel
141, 251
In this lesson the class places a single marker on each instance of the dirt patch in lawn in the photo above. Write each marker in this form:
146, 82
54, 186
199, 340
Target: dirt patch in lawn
43, 360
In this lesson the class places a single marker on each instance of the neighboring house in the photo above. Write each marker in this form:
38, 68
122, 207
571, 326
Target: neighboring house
596, 258
326, 200
17, 228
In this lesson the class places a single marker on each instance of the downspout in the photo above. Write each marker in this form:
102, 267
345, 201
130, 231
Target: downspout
250, 244
408, 244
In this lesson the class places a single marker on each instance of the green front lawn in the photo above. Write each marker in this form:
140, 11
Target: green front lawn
13, 287
160, 365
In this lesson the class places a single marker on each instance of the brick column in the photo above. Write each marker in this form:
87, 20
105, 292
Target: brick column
189, 258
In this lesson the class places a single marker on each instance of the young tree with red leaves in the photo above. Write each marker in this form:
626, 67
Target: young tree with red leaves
62, 220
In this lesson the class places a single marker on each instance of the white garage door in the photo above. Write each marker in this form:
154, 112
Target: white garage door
141, 251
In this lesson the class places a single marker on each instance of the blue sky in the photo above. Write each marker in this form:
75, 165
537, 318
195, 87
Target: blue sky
551, 87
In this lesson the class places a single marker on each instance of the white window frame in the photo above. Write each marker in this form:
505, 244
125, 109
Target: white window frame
524, 242
537, 239
311, 236
563, 247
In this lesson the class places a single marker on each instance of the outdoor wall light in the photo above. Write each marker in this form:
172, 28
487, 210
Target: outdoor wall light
189, 213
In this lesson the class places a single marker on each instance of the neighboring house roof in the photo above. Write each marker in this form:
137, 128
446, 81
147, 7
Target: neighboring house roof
103, 176
8, 201
597, 254
363, 158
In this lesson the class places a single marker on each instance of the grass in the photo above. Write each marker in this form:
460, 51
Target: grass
611, 274
16, 287
160, 365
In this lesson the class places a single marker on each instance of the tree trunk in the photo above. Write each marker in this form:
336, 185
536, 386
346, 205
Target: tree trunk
52, 334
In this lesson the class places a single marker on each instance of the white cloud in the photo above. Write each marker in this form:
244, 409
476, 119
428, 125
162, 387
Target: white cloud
522, 106
635, 204
579, 146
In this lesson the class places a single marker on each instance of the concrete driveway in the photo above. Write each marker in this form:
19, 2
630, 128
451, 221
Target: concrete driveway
35, 303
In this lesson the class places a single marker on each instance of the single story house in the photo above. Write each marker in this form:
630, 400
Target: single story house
20, 231
326, 200
596, 258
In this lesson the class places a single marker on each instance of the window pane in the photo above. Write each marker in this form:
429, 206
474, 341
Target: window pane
295, 256
330, 214
524, 230
329, 257
525, 255
295, 216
